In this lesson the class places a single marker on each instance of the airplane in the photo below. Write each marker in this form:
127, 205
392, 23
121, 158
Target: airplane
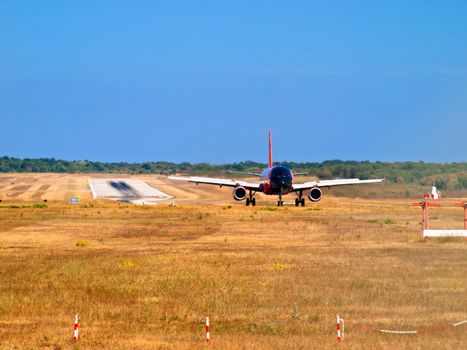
277, 180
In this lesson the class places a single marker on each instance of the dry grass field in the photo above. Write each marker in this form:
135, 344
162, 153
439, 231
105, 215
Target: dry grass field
144, 277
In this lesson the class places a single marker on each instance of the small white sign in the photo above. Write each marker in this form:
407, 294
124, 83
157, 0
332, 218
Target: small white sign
444, 233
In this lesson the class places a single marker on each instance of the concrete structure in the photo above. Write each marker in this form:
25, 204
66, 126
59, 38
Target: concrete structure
444, 233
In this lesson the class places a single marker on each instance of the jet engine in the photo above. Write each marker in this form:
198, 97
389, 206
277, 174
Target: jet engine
239, 193
315, 194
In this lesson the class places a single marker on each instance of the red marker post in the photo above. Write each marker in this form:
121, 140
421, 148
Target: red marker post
76, 328
207, 330
338, 323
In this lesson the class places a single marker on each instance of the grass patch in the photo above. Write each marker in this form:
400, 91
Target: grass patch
389, 222
81, 243
35, 206
275, 282
40, 205
452, 239
269, 209
278, 267
126, 264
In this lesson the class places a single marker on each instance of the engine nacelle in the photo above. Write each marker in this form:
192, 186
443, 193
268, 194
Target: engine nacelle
239, 193
315, 194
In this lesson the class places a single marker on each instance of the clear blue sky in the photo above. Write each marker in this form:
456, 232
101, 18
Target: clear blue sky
204, 80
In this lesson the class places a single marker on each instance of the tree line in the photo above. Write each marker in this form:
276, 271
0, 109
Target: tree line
445, 174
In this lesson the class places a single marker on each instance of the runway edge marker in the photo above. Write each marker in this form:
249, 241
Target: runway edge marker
76, 328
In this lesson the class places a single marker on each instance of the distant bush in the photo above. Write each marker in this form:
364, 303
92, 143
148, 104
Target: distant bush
88, 205
389, 222
269, 208
126, 264
400, 172
40, 205
82, 243
462, 181
441, 184
278, 267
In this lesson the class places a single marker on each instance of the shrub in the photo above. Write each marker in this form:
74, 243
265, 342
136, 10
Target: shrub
82, 243
126, 264
462, 180
269, 208
278, 267
40, 205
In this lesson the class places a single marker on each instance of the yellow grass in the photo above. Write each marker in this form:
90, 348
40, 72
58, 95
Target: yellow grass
268, 277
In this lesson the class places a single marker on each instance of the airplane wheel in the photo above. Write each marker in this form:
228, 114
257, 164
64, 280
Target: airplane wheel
297, 202
247, 202
302, 202
253, 201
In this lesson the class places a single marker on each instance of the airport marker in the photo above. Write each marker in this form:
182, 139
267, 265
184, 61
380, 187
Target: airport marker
207, 330
76, 328
338, 323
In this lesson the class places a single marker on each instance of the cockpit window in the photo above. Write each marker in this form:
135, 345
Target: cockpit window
281, 172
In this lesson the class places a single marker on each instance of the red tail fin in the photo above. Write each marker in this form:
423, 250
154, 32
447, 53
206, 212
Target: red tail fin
270, 149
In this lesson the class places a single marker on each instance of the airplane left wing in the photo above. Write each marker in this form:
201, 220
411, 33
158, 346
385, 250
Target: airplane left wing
330, 183
218, 182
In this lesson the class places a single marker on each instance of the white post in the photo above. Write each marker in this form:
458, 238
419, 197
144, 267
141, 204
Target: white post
338, 324
207, 330
76, 328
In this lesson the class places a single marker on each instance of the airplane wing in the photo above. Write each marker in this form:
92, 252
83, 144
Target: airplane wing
244, 173
330, 183
218, 182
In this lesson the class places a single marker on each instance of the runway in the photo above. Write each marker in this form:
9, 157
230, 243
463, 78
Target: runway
126, 190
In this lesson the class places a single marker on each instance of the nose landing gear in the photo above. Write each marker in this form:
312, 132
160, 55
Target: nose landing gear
280, 203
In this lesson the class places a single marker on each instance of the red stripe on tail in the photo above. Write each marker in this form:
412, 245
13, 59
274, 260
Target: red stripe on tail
270, 150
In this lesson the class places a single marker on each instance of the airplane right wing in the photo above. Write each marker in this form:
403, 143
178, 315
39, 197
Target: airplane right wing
331, 183
219, 182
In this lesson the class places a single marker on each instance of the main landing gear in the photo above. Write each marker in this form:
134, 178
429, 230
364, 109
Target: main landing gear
300, 200
250, 199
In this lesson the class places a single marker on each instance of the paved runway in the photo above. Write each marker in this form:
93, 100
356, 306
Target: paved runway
126, 190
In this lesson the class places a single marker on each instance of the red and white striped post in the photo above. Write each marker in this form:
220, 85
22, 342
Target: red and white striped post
207, 330
338, 323
76, 328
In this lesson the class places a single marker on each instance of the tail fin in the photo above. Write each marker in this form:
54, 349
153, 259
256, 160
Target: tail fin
270, 149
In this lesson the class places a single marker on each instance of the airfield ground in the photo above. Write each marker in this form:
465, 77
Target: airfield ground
143, 277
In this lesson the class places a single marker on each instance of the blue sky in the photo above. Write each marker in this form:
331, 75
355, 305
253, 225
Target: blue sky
205, 80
